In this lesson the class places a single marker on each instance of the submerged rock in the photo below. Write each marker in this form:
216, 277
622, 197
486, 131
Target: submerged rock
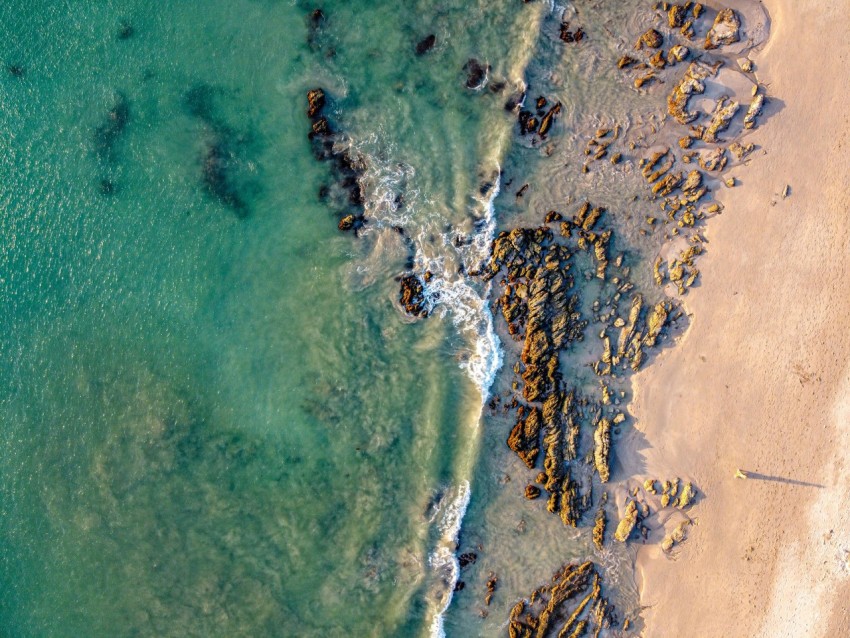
426, 44
476, 73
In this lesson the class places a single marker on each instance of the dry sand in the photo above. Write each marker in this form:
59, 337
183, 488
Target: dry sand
761, 378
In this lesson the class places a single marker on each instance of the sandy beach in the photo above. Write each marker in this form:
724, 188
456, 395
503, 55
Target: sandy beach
760, 380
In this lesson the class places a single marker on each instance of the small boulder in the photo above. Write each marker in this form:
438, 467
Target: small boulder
725, 30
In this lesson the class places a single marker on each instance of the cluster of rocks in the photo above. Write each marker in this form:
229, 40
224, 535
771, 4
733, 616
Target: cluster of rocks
347, 191
673, 493
571, 605
566, 34
538, 121
412, 295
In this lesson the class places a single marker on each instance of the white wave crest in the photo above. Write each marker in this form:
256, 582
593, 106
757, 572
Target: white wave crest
443, 560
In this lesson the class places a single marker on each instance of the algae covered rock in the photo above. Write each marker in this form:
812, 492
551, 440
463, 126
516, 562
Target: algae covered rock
412, 296
690, 84
627, 523
651, 39
725, 29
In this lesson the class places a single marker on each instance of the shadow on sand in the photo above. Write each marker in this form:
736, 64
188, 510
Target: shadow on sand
756, 476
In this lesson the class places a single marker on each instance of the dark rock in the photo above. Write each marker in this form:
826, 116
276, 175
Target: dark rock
412, 296
459, 585
426, 44
107, 134
476, 73
467, 559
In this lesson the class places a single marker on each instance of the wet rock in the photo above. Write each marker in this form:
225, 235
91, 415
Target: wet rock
602, 449
532, 492
426, 44
725, 29
412, 296
657, 60
627, 523
524, 437
546, 122
641, 81
476, 74
678, 53
492, 582
724, 111
651, 39
676, 16
467, 559
315, 102
599, 525
626, 61
351, 222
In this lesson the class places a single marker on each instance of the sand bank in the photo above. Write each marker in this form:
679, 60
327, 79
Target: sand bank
761, 379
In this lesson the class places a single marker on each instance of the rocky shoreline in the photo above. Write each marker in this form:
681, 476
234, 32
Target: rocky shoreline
565, 431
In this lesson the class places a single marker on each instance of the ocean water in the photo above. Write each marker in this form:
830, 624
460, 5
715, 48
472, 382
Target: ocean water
217, 420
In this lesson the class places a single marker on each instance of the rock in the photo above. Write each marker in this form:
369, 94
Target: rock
740, 151
667, 185
725, 29
476, 74
678, 53
412, 296
350, 222
655, 322
426, 44
466, 559
524, 437
724, 111
532, 492
649, 486
492, 582
676, 16
658, 60
754, 111
625, 61
693, 181
745, 64
690, 84
627, 523
599, 524
315, 102
713, 160
644, 79
651, 39
546, 122
602, 449
686, 497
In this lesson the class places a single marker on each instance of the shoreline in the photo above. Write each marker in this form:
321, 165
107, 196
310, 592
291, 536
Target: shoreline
757, 380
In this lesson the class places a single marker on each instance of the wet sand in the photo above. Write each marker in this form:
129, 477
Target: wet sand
761, 379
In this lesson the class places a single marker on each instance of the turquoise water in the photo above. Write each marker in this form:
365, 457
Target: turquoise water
216, 421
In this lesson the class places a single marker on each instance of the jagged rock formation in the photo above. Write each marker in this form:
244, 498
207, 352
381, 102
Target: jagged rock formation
569, 606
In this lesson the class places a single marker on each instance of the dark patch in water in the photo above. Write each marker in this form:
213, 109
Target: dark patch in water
15, 70
222, 157
106, 135
107, 187
426, 44
125, 30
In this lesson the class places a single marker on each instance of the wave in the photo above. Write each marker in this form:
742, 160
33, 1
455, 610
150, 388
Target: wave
443, 560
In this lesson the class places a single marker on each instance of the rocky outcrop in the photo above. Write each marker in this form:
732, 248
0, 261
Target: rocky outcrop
690, 84
412, 296
569, 606
724, 111
725, 29
627, 523
524, 438
602, 449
